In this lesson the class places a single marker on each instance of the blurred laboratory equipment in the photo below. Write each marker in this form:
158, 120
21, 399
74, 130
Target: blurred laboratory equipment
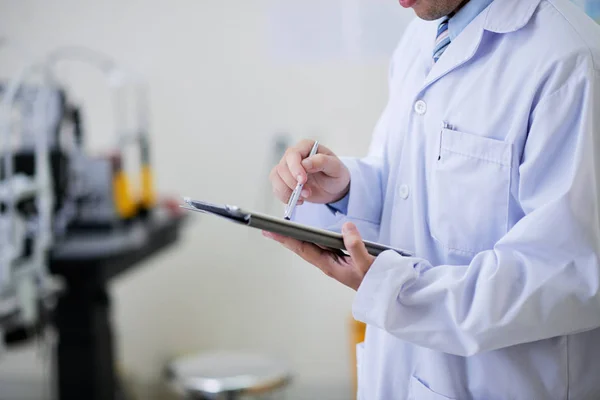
102, 195
228, 376
72, 218
27, 118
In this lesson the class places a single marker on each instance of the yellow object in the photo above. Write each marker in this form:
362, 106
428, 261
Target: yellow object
126, 207
357, 332
148, 195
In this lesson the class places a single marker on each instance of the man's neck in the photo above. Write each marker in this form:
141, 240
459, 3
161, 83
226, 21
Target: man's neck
460, 6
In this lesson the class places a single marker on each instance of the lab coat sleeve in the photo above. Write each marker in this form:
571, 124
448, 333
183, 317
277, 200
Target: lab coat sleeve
542, 279
340, 206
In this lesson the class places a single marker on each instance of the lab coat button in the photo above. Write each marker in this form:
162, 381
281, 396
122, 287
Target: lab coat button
404, 192
420, 107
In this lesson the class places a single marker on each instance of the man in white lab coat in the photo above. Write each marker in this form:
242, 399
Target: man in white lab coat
485, 164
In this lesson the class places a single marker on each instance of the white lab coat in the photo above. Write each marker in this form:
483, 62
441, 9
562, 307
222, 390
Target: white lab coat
500, 208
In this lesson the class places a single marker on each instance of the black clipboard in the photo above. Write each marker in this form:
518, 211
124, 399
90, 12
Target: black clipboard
305, 233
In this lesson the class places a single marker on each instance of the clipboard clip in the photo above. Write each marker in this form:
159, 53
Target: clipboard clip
232, 213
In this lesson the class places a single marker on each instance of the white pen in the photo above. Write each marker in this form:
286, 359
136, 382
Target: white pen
291, 205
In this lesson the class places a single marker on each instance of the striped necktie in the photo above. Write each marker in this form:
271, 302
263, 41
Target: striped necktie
442, 40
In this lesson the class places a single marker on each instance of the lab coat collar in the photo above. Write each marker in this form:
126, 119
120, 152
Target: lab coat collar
502, 16
460, 51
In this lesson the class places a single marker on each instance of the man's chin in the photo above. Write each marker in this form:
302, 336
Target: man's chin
430, 10
427, 17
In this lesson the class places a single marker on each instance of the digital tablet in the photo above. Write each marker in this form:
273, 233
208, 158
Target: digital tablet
305, 233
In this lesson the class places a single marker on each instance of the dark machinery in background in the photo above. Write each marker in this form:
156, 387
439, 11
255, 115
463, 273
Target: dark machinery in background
52, 193
71, 221
102, 196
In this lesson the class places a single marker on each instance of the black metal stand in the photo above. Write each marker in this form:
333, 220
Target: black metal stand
85, 358
85, 351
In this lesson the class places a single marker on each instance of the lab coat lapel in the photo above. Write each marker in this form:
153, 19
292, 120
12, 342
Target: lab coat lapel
461, 50
502, 16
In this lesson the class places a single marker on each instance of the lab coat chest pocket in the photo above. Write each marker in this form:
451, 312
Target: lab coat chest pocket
470, 187
419, 391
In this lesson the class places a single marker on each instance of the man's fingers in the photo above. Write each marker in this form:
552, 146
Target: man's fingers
355, 246
329, 165
283, 184
295, 155
308, 251
305, 146
286, 175
275, 236
311, 253
280, 188
293, 160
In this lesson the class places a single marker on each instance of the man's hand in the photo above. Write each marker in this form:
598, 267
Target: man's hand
349, 270
326, 179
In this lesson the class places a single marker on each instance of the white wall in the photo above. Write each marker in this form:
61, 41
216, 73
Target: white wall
219, 90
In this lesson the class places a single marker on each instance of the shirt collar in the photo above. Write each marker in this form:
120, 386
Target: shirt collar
465, 15
501, 16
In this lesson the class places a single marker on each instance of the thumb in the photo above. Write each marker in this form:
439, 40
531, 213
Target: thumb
355, 246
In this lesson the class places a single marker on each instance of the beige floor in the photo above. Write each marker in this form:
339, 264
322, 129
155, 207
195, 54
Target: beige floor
25, 374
